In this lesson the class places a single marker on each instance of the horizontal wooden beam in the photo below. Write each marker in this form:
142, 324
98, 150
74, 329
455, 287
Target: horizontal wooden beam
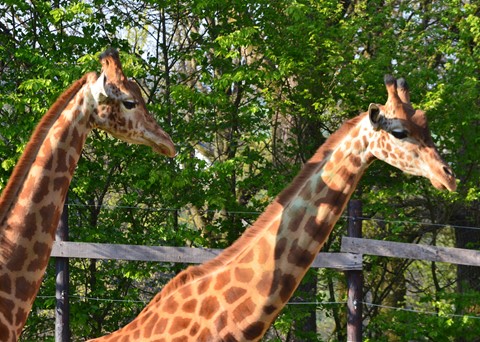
67, 249
338, 261
411, 251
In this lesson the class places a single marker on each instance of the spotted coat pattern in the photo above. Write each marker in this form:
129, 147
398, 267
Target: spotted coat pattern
236, 296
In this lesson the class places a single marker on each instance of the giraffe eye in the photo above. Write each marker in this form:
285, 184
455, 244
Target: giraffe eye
399, 134
129, 104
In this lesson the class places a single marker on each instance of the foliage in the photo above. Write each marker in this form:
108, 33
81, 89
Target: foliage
248, 90
440, 322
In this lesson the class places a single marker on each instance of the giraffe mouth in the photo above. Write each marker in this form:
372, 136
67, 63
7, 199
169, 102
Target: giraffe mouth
159, 140
168, 151
446, 181
160, 143
163, 145
441, 186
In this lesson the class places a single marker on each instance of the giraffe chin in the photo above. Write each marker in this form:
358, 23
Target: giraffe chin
162, 145
160, 142
164, 150
447, 184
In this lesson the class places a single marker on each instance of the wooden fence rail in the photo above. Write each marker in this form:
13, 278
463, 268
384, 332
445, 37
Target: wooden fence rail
66, 249
411, 251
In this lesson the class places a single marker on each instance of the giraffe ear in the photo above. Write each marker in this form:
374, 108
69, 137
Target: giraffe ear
98, 88
376, 116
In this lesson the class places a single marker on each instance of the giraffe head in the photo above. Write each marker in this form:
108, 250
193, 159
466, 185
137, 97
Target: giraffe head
403, 138
121, 110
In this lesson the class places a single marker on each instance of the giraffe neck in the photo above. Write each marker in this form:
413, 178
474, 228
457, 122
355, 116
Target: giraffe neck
32, 202
295, 226
236, 296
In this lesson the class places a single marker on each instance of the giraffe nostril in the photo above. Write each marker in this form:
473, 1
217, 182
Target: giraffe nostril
448, 171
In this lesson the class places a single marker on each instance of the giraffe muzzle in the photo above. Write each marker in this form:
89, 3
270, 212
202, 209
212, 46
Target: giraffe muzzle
445, 180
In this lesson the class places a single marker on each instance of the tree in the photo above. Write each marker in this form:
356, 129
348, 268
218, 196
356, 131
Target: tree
248, 90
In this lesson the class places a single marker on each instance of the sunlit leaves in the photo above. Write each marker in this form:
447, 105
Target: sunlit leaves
72, 10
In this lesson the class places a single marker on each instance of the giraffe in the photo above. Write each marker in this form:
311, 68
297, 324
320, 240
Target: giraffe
32, 201
238, 294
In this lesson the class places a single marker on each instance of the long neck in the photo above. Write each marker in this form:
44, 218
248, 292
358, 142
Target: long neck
237, 295
32, 202
304, 221
297, 224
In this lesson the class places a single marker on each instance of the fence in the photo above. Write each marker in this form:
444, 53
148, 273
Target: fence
348, 260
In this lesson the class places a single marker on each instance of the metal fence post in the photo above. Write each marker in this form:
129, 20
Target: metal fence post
62, 308
354, 278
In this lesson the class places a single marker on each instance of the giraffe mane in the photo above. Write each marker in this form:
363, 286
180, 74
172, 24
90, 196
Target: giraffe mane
193, 273
31, 150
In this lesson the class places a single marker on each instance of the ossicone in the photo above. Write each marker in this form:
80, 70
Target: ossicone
403, 91
111, 65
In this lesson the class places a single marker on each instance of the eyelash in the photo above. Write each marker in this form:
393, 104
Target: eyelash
400, 134
129, 104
